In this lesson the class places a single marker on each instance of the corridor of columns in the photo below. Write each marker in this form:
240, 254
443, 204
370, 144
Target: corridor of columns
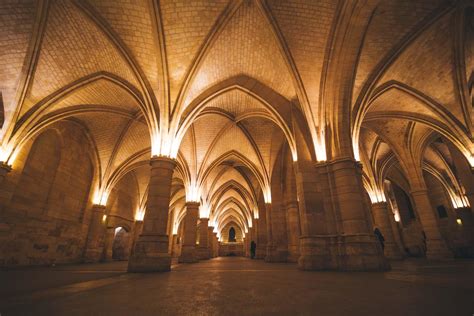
306, 135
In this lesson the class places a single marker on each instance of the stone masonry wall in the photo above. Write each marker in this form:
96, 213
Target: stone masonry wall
44, 200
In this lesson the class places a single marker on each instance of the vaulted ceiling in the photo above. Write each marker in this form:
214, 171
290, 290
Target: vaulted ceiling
223, 77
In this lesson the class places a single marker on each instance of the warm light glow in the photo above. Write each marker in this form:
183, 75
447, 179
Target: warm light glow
320, 147
100, 197
104, 218
117, 229
355, 148
376, 196
459, 201
397, 216
161, 145
140, 214
175, 228
193, 193
8, 155
470, 158
267, 195
255, 212
250, 223
204, 210
294, 154
459, 221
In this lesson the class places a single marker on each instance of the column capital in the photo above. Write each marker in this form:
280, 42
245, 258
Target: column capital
192, 204
98, 207
421, 191
162, 161
380, 204
4, 167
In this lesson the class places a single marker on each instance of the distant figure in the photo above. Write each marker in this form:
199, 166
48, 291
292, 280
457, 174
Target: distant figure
424, 241
379, 236
253, 247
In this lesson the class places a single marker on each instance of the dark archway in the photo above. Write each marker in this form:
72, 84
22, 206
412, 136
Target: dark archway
232, 235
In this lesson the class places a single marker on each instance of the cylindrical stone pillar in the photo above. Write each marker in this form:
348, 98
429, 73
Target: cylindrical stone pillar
210, 240
261, 239
96, 235
136, 232
216, 244
188, 250
175, 246
358, 246
246, 244
203, 250
109, 242
294, 231
271, 248
436, 247
151, 250
382, 222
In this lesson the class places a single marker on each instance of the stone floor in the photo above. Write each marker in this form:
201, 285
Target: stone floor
239, 286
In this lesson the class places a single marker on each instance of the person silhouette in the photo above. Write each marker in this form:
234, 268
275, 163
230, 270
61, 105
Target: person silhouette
380, 237
253, 247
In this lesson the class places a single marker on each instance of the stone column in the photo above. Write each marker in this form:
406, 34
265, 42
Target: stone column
247, 244
174, 246
151, 250
210, 235
109, 242
188, 250
95, 238
203, 250
360, 251
436, 247
318, 241
137, 230
216, 244
382, 222
271, 248
261, 239
294, 231
346, 241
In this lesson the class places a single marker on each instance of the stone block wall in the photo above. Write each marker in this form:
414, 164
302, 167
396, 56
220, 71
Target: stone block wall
231, 249
46, 198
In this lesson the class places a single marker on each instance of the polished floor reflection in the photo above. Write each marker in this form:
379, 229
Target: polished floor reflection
239, 286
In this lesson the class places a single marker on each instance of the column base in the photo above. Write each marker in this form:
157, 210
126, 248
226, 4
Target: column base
188, 255
260, 253
392, 251
203, 254
276, 255
93, 255
342, 253
150, 254
293, 254
437, 250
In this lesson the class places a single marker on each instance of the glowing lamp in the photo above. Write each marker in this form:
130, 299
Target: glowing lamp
320, 147
100, 198
140, 215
